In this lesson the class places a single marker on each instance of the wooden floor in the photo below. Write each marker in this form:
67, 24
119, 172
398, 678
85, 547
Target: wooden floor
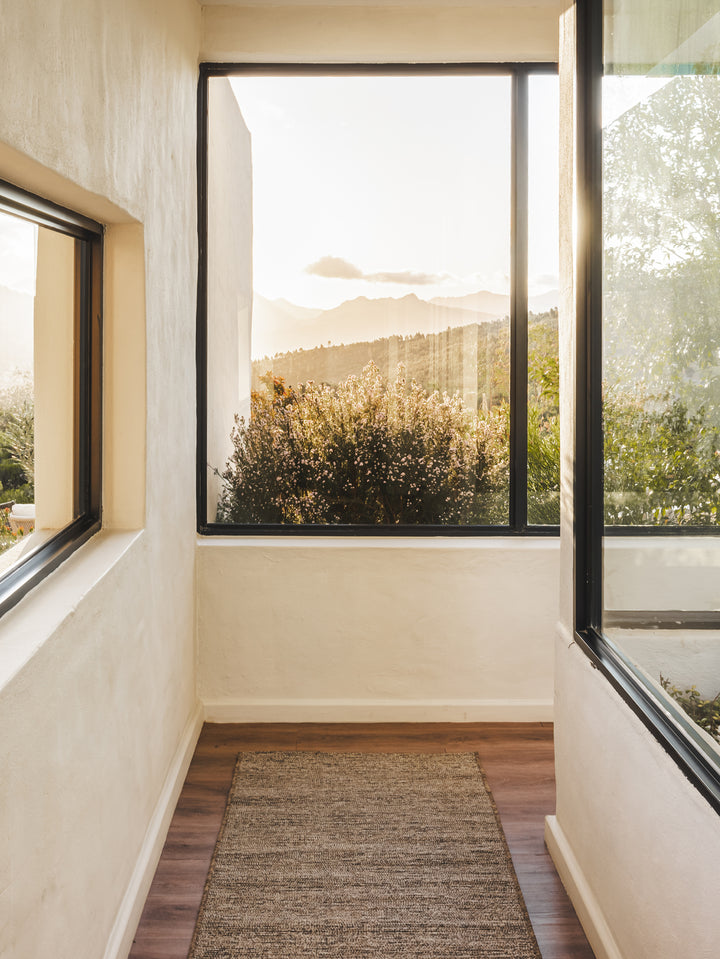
518, 761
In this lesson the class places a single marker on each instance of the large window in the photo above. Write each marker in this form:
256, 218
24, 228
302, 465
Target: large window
377, 345
50, 270
650, 496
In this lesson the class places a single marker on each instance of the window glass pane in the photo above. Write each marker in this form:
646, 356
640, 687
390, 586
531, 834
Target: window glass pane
661, 337
367, 355
37, 396
543, 267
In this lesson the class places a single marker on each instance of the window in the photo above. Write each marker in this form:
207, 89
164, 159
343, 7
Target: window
649, 492
50, 361
377, 342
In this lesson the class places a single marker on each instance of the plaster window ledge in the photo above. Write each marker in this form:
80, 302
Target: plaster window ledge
509, 543
27, 626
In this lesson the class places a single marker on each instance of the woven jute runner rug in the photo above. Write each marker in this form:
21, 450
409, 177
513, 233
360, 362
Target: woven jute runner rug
361, 856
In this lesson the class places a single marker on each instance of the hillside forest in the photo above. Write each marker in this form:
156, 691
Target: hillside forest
415, 430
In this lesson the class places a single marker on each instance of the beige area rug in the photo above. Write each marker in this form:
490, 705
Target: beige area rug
361, 856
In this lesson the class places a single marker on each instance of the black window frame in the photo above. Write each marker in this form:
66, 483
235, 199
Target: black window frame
519, 74
87, 388
667, 722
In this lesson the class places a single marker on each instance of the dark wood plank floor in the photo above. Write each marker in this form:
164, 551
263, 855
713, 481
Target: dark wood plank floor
518, 761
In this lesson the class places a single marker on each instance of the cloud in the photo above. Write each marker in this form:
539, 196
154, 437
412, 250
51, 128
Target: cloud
336, 268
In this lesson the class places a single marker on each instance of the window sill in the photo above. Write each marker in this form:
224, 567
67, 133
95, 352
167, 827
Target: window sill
498, 542
28, 626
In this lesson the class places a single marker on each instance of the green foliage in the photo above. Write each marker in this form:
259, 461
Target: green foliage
661, 291
543, 478
439, 362
543, 434
17, 441
704, 712
543, 362
18, 438
25, 493
464, 359
662, 465
365, 451
12, 475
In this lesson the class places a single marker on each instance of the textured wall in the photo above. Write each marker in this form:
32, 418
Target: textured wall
229, 277
376, 32
368, 630
53, 345
637, 838
97, 664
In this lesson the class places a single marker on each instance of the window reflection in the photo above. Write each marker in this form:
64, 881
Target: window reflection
661, 350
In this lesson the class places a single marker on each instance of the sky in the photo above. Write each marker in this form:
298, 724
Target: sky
384, 186
18, 252
18, 259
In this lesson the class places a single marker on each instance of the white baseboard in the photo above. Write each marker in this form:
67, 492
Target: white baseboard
592, 919
131, 908
379, 711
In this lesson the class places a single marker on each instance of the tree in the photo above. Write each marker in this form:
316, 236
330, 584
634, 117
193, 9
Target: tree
661, 333
661, 162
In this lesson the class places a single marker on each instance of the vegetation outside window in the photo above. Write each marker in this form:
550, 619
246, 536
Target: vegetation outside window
378, 299
50, 270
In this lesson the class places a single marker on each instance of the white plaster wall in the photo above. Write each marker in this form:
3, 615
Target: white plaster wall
635, 844
97, 692
359, 629
633, 839
229, 306
482, 30
53, 371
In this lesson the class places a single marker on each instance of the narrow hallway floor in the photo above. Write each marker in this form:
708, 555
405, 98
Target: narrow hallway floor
519, 764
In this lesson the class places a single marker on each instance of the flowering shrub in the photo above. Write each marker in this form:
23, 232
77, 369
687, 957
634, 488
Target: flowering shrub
365, 451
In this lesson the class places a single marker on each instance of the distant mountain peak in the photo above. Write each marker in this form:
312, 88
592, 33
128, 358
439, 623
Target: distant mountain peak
280, 327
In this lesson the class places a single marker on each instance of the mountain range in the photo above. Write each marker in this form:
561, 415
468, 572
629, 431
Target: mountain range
280, 326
